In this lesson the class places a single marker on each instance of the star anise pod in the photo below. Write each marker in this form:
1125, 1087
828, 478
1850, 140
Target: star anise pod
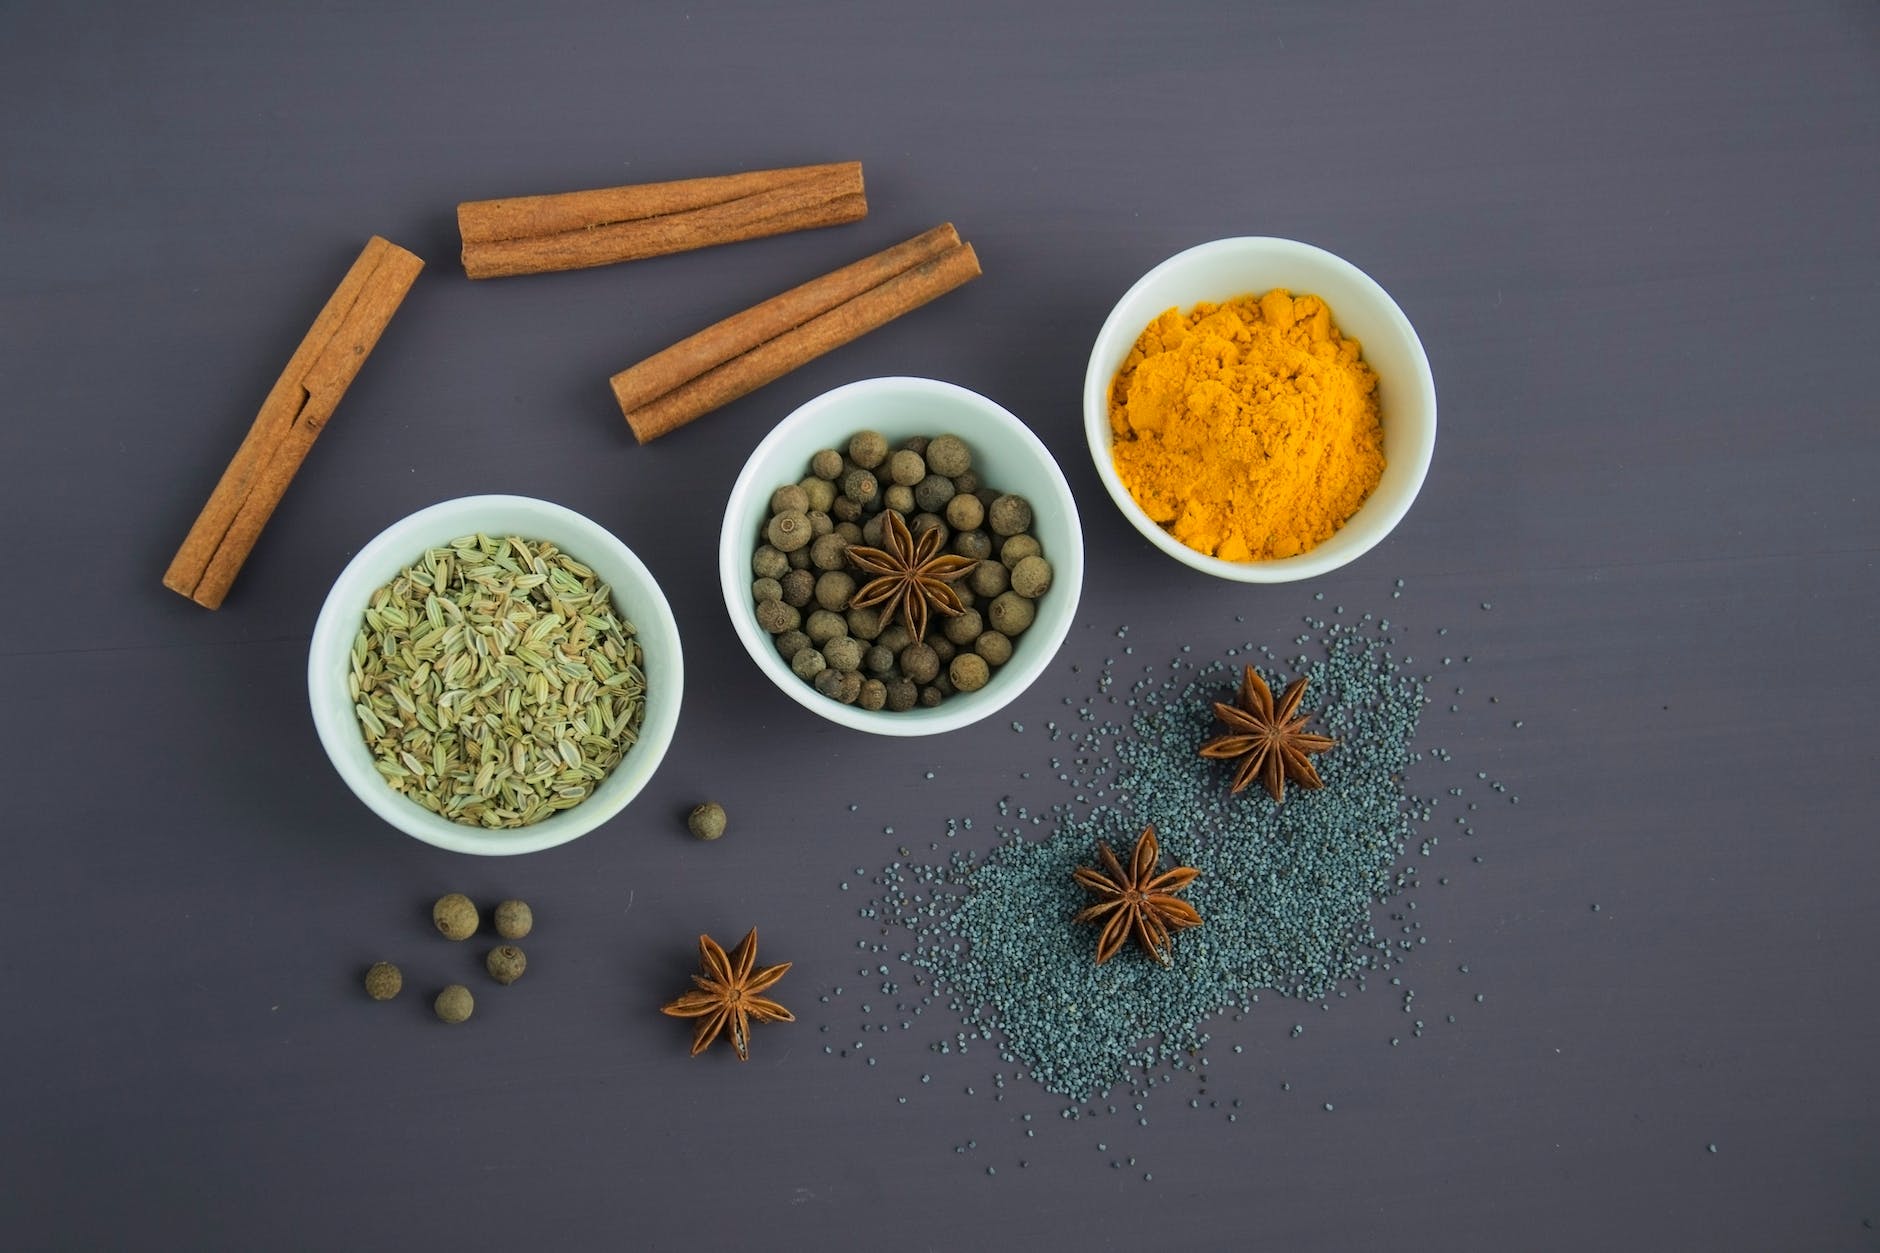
1137, 901
1268, 742
727, 995
912, 577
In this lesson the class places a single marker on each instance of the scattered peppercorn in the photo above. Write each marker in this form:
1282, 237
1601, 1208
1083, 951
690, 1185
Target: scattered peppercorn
506, 963
514, 919
706, 821
454, 1004
383, 981
455, 917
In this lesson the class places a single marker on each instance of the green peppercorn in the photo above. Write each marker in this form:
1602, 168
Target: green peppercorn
1010, 613
906, 467
787, 498
824, 625
790, 643
769, 563
874, 695
988, 579
964, 629
455, 917
807, 664
454, 1004
514, 919
506, 963
833, 589
777, 616
949, 455
1009, 515
919, 662
1031, 577
995, 647
898, 498
821, 492
868, 449
1017, 548
843, 653
796, 588
933, 493
878, 661
383, 981
826, 464
903, 695
789, 531
921, 523
860, 486
864, 624
706, 821
969, 672
965, 513
976, 545
829, 552
766, 589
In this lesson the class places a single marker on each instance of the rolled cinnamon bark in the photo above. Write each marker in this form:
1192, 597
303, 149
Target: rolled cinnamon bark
577, 230
291, 418
742, 353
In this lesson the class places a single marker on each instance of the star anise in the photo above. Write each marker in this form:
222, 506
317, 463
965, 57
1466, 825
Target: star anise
1267, 741
1137, 901
727, 995
912, 576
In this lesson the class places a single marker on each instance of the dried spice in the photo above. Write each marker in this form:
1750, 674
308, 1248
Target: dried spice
1268, 742
912, 576
1138, 901
727, 995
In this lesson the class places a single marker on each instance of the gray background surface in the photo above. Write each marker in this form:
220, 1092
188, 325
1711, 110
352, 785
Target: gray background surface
1639, 244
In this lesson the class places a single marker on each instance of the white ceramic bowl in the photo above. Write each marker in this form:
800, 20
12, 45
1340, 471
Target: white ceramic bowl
1007, 456
636, 596
1227, 268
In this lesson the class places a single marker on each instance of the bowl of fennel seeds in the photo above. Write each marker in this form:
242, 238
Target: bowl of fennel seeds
495, 675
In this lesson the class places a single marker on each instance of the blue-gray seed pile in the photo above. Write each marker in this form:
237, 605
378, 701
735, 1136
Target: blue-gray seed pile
1285, 891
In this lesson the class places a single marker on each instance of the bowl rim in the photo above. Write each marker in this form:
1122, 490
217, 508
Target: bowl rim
734, 557
336, 624
1377, 525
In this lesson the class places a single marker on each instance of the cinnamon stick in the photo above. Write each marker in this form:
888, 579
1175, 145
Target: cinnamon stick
576, 230
291, 418
740, 354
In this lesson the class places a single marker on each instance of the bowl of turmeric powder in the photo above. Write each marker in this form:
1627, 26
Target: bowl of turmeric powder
1260, 409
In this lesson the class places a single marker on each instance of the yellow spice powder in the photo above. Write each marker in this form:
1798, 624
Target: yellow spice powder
1248, 429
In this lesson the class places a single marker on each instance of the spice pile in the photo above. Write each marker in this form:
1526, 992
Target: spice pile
1248, 429
873, 569
1285, 891
495, 683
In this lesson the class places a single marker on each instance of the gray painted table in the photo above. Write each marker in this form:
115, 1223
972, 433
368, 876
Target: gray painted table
1639, 244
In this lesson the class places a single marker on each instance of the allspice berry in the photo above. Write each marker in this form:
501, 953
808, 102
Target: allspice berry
514, 919
949, 455
455, 1004
383, 981
788, 497
506, 963
1010, 613
707, 821
455, 917
789, 531
969, 672
1008, 515
867, 449
1031, 577
826, 464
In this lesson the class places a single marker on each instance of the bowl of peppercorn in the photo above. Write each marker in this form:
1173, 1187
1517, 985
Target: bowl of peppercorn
902, 556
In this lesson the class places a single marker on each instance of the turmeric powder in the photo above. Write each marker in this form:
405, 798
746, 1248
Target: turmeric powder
1249, 430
